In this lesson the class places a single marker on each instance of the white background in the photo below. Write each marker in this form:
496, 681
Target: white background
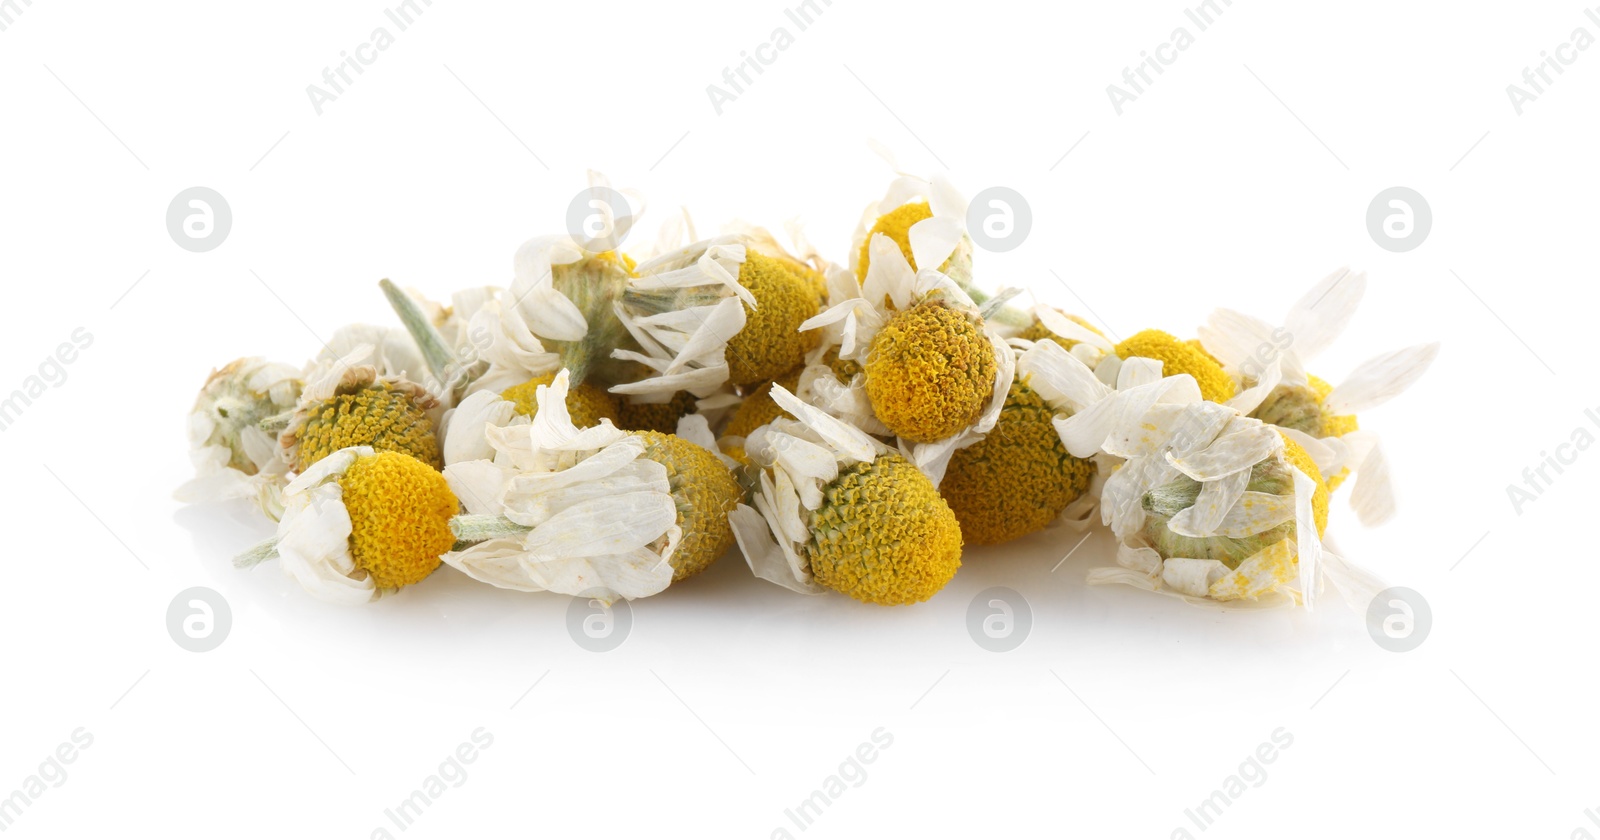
1238, 179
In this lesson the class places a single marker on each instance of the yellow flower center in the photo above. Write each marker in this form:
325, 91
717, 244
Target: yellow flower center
1019, 478
929, 372
771, 342
883, 535
400, 511
705, 493
654, 417
379, 416
1180, 357
895, 224
587, 404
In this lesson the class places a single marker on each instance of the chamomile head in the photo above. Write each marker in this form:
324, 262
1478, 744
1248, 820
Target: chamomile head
704, 492
1178, 356
233, 457
361, 523
883, 535
1019, 478
832, 508
930, 371
723, 311
385, 414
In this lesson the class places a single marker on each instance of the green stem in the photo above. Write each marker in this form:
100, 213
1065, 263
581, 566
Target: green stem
441, 360
257, 554
476, 527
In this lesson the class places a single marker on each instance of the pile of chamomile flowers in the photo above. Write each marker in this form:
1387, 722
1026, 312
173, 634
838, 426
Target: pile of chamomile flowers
609, 424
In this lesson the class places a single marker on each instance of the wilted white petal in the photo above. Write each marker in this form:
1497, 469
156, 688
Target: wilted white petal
1378, 380
933, 240
1230, 453
847, 439
314, 546
1211, 507
1191, 576
1322, 314
1373, 495
767, 560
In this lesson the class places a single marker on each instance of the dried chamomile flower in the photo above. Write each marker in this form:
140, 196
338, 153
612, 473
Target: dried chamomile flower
361, 523
597, 512
1020, 478
933, 372
1180, 357
703, 489
1205, 503
927, 219
233, 457
1317, 415
721, 311
836, 509
361, 399
560, 311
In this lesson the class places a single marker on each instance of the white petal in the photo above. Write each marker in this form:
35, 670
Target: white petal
607, 525
767, 560
314, 548
479, 485
888, 274
604, 577
1067, 328
1235, 451
1211, 507
933, 240
463, 433
848, 440
694, 429
1322, 314
1377, 380
1060, 377
1192, 576
1250, 399
495, 562
946, 201
1373, 495
1085, 432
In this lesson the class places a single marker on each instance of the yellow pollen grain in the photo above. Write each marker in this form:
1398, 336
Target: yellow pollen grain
895, 224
